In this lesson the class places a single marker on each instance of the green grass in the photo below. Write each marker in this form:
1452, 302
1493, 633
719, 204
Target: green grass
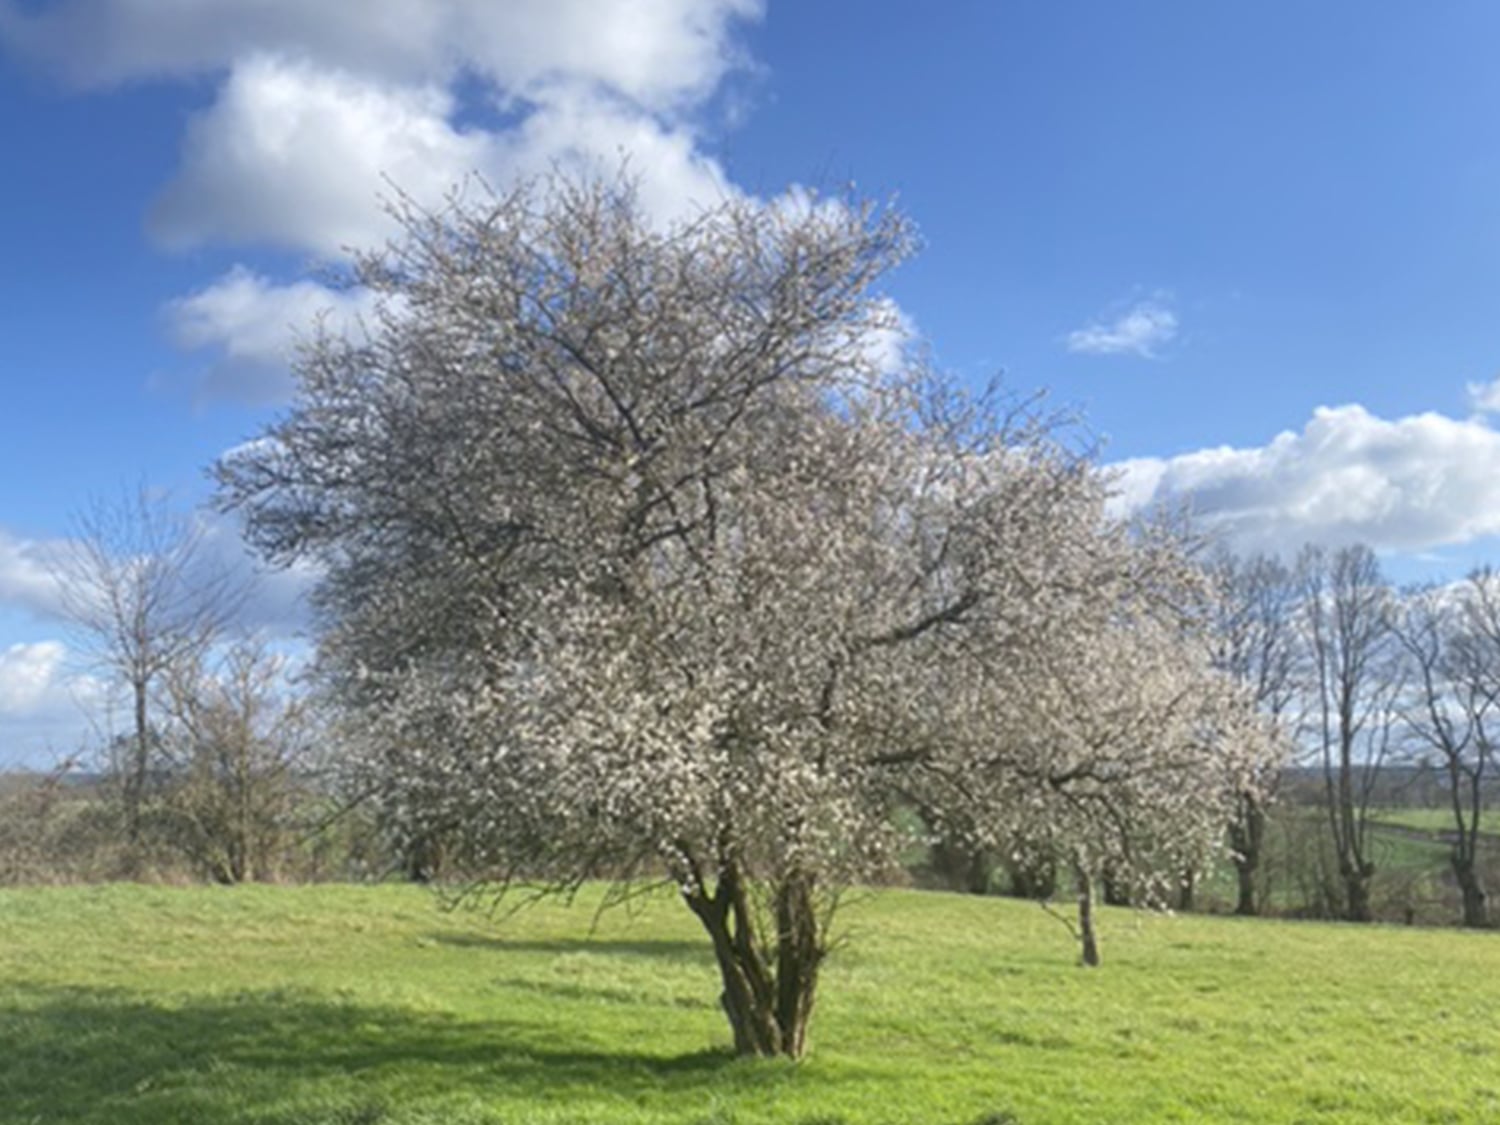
1429, 820
369, 1006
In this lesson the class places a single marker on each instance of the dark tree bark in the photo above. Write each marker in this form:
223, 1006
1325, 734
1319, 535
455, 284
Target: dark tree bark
1247, 837
1087, 938
1356, 882
768, 991
1475, 902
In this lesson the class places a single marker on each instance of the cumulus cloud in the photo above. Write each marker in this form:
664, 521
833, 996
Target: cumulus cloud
28, 675
322, 110
323, 106
49, 709
1407, 484
252, 326
1142, 329
295, 155
44, 704
26, 579
303, 157
275, 600
664, 55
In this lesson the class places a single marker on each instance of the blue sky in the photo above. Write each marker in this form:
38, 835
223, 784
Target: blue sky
1257, 243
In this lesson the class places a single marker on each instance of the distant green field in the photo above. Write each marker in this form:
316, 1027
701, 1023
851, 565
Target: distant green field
367, 1006
1429, 820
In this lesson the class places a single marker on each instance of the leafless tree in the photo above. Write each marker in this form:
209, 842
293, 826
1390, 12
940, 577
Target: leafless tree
645, 551
144, 596
1354, 678
1255, 641
239, 748
1451, 637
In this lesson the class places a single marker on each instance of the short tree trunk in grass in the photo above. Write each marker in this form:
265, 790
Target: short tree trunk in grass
1087, 938
768, 989
1247, 835
1186, 890
1476, 912
1245, 901
1356, 879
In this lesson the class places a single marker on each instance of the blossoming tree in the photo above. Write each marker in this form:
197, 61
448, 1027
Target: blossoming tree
645, 550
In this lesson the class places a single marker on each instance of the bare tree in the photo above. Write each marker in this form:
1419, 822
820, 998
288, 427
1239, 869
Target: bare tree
1451, 637
1255, 641
239, 748
144, 596
1355, 683
642, 555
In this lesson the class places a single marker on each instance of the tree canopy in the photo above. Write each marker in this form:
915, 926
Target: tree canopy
646, 549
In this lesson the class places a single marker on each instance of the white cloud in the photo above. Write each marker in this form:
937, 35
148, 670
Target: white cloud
321, 109
1484, 397
275, 601
323, 106
302, 157
579, 130
661, 54
1406, 484
1142, 329
294, 155
253, 325
28, 676
49, 709
26, 579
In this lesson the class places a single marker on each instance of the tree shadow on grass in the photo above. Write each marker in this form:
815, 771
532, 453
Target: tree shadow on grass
95, 1055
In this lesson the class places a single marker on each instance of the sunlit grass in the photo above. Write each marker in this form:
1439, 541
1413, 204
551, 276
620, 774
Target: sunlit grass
370, 1005
1430, 820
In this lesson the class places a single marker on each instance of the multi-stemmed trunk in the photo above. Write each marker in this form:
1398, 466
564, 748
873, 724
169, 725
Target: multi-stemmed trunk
769, 988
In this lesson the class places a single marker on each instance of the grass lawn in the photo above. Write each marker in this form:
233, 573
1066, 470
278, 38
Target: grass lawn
368, 1005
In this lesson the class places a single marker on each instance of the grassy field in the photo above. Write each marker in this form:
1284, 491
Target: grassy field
1430, 819
368, 1006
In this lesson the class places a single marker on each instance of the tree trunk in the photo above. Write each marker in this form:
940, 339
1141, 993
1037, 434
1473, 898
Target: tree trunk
1356, 879
979, 873
1247, 837
768, 1010
1087, 939
140, 764
1186, 890
799, 954
1245, 903
1476, 912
